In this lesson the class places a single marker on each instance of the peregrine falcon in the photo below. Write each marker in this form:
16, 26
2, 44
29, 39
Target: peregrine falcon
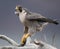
32, 21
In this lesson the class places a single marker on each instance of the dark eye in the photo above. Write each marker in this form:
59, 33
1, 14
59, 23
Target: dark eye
20, 9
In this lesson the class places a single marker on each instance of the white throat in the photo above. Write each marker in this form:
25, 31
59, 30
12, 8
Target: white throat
22, 16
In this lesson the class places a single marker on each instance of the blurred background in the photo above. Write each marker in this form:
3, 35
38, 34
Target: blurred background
11, 26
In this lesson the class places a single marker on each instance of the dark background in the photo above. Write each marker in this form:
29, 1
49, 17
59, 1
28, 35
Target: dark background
12, 27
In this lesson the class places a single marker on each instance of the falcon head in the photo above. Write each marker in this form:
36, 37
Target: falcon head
18, 10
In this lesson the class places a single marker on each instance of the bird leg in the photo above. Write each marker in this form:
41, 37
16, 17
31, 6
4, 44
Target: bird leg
25, 36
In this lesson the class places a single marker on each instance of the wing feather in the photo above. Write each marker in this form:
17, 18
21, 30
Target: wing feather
44, 20
38, 17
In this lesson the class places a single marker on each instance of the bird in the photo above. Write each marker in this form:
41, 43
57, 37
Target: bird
32, 21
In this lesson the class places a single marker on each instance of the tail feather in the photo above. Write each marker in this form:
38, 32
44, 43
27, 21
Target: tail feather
52, 21
55, 22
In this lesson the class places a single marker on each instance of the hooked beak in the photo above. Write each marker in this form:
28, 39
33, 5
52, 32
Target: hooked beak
16, 11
